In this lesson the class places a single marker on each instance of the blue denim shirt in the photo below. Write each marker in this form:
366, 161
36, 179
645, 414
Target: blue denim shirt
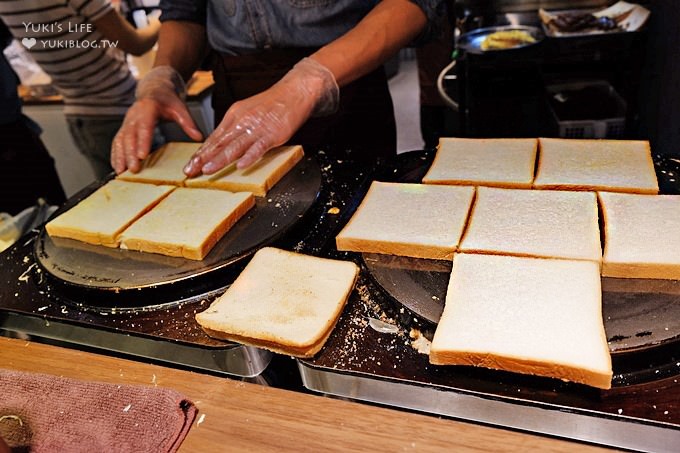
243, 26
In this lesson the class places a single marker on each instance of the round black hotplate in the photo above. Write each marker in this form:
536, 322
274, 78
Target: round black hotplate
101, 276
639, 315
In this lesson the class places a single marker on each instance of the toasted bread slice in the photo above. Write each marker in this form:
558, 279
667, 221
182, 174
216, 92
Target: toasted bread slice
258, 178
494, 162
101, 217
538, 223
607, 165
188, 223
417, 220
525, 315
642, 238
282, 301
165, 165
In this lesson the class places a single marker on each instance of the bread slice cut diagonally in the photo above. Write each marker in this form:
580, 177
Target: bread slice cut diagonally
642, 235
538, 223
416, 220
495, 162
282, 301
188, 223
258, 178
608, 165
103, 215
525, 315
165, 165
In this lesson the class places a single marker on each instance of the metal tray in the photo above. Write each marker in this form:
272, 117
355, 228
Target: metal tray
550, 32
362, 363
95, 267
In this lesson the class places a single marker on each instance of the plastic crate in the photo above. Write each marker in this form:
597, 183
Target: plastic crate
587, 109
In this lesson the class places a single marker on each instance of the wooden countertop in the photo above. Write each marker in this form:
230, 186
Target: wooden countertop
238, 416
199, 84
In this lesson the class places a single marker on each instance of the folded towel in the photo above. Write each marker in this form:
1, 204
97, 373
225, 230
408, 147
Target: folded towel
44, 413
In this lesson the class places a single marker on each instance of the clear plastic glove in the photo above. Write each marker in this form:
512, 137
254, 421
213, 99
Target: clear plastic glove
159, 95
255, 125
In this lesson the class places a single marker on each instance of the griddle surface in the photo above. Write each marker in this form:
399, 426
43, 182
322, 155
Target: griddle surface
97, 267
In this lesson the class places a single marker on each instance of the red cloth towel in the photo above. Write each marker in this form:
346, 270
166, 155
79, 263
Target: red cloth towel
48, 413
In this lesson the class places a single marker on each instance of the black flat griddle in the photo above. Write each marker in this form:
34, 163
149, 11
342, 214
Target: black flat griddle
89, 268
639, 314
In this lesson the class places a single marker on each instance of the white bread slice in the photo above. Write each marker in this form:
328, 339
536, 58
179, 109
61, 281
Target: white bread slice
258, 178
642, 235
538, 223
417, 220
526, 315
609, 165
102, 216
188, 223
495, 162
165, 165
282, 301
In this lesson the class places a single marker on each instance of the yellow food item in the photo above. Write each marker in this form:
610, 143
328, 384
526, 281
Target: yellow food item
507, 39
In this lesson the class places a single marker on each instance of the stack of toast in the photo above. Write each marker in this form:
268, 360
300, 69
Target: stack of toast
524, 294
160, 210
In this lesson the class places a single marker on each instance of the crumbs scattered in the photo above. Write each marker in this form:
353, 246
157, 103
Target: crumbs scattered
334, 210
419, 342
127, 408
200, 419
24, 277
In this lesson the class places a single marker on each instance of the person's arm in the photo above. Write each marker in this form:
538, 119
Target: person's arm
181, 47
391, 25
253, 126
129, 39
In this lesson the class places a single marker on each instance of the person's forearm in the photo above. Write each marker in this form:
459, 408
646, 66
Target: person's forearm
391, 25
181, 45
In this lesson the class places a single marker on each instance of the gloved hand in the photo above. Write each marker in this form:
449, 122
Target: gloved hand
254, 125
159, 95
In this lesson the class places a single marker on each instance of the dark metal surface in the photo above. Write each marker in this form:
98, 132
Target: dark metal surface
417, 284
97, 267
471, 41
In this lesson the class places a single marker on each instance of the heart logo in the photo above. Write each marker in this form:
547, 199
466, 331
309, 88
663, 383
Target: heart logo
28, 42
